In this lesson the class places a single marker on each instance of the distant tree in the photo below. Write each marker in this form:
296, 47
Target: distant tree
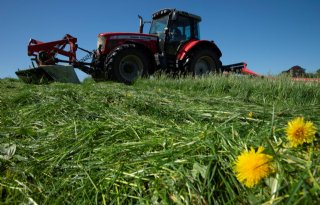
310, 75
313, 75
295, 71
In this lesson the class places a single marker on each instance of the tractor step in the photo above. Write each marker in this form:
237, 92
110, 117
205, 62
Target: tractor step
48, 74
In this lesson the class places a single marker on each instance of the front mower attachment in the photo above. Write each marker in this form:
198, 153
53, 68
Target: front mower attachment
48, 74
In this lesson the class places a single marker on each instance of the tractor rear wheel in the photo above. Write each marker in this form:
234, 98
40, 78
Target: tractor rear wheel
202, 62
127, 63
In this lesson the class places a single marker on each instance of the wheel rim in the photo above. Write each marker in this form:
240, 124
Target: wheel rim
204, 65
131, 67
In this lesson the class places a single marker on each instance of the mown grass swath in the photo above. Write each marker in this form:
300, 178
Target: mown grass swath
160, 141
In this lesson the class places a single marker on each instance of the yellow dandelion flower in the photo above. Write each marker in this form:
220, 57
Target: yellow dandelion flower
251, 167
250, 114
128, 94
299, 132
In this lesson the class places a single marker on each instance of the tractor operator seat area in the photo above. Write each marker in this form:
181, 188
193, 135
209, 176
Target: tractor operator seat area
180, 30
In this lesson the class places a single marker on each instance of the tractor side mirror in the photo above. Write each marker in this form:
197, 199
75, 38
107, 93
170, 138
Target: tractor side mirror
166, 30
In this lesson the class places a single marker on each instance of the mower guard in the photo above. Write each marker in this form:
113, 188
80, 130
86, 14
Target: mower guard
48, 74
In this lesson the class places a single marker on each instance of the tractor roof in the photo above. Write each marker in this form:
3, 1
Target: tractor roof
164, 12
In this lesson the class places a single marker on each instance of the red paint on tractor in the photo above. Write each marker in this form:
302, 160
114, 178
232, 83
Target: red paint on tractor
114, 39
187, 47
52, 48
245, 70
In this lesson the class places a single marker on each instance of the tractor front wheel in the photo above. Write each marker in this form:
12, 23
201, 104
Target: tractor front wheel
127, 63
202, 62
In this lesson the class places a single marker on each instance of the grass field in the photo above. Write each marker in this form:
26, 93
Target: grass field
160, 141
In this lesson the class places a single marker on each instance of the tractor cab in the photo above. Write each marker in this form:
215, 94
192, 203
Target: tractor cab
174, 28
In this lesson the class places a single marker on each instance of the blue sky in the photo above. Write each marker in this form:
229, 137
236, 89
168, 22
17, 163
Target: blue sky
270, 35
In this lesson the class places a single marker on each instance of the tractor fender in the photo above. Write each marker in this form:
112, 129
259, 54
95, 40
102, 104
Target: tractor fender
194, 44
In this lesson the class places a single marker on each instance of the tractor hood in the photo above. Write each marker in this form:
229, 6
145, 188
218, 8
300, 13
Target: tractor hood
124, 35
108, 41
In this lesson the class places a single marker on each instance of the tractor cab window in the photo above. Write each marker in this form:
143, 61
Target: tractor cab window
180, 30
196, 30
158, 26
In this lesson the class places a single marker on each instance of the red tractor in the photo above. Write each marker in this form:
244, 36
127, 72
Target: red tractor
172, 45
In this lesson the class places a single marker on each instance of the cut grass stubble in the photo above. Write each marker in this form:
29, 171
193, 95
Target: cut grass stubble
159, 141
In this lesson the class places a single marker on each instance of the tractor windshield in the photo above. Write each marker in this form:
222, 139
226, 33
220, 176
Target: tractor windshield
158, 25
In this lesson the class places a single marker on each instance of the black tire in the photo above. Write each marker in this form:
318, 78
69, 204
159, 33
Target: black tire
126, 64
202, 62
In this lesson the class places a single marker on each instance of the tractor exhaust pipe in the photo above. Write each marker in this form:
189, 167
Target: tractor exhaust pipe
141, 24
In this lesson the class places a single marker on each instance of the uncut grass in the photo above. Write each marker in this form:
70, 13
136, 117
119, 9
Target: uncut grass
158, 141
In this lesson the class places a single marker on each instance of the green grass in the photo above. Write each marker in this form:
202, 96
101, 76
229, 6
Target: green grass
160, 141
